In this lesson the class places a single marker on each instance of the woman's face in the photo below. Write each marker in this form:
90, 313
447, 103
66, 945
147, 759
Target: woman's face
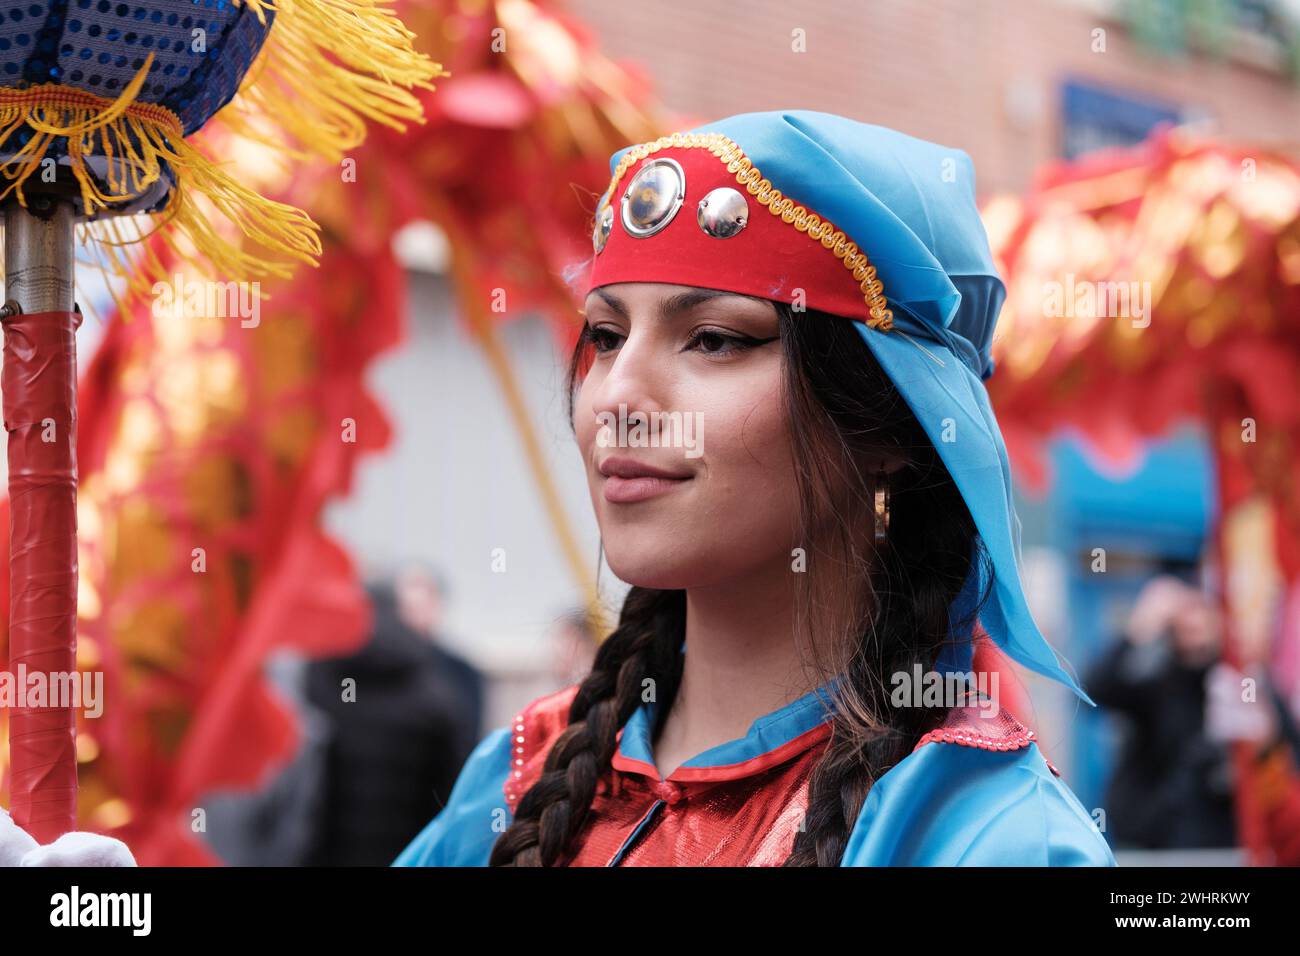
686, 382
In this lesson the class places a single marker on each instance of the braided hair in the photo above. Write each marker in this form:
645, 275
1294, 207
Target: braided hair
863, 613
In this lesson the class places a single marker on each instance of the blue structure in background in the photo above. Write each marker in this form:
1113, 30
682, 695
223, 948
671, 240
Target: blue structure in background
1095, 117
1160, 514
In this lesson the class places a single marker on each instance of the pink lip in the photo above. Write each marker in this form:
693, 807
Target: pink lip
627, 481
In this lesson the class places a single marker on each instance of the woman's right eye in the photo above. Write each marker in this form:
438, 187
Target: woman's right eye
603, 339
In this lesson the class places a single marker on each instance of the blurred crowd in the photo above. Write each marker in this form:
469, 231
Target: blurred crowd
385, 732
1191, 724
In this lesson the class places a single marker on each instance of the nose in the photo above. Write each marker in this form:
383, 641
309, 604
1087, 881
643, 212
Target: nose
636, 383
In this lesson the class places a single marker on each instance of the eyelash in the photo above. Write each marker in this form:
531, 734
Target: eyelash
738, 343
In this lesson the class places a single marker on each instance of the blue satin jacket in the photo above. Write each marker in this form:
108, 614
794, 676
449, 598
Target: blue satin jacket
972, 793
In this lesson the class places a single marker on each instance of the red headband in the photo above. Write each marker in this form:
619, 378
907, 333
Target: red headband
773, 246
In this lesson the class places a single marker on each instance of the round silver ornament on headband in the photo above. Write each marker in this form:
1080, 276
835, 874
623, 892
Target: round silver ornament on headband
604, 224
653, 197
722, 213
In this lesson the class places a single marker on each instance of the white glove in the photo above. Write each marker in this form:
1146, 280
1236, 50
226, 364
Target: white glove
79, 848
15, 842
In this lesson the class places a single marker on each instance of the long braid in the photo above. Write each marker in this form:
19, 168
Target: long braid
855, 758
645, 646
912, 581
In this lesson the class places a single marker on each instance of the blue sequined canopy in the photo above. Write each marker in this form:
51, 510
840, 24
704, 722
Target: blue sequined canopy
201, 50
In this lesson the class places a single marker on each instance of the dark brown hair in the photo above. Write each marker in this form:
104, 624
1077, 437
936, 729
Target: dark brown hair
873, 612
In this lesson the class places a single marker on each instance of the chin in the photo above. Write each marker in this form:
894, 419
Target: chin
661, 565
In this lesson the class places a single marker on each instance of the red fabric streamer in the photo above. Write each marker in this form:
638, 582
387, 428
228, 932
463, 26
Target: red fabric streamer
1209, 229
40, 413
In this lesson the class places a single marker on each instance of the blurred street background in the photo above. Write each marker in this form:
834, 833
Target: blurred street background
479, 552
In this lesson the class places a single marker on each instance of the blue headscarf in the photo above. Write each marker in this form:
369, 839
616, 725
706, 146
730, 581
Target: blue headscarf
910, 205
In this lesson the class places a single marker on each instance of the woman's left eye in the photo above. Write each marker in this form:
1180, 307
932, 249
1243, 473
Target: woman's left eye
721, 343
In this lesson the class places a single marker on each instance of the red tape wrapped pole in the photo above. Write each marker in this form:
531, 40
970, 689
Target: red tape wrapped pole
40, 415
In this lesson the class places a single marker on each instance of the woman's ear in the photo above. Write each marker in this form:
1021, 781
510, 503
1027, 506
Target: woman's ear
889, 461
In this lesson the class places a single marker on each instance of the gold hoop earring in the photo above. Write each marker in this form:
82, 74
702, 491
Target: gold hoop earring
882, 507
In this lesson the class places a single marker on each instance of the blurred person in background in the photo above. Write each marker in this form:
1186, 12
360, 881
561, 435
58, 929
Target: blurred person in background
1172, 785
402, 726
1264, 720
421, 595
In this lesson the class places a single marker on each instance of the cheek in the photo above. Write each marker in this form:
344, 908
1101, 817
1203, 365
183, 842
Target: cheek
586, 430
584, 421
585, 426
749, 479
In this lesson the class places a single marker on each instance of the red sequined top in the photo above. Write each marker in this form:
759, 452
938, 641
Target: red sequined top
740, 804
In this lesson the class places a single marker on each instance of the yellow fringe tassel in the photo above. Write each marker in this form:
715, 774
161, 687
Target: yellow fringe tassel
326, 67
136, 138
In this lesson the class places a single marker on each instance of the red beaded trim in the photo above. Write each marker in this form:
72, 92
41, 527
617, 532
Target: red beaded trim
1014, 741
516, 763
534, 727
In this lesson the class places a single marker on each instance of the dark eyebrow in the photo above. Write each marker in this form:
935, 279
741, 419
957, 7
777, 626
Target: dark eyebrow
674, 304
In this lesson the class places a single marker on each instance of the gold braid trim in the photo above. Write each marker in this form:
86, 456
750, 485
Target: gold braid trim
803, 219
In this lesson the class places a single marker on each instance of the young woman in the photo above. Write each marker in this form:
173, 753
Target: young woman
778, 398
